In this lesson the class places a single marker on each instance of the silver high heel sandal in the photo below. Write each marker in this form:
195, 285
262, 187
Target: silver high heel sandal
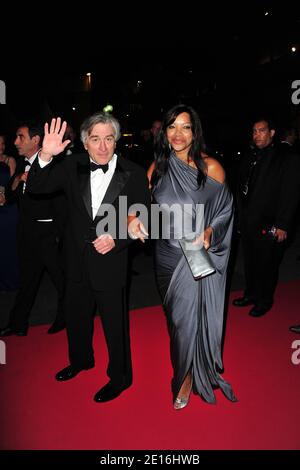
182, 402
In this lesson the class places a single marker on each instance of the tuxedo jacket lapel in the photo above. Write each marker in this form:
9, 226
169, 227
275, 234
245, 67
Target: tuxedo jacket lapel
116, 185
118, 181
83, 173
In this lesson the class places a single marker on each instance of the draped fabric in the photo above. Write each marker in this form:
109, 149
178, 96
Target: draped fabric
194, 309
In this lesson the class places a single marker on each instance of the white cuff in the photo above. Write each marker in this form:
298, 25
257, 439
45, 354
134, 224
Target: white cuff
42, 163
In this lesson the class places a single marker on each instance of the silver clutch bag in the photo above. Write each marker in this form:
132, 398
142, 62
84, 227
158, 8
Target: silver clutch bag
197, 257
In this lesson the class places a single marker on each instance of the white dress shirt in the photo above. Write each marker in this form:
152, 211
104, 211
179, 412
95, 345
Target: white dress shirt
100, 182
27, 167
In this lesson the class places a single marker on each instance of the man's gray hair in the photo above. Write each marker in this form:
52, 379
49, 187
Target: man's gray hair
99, 118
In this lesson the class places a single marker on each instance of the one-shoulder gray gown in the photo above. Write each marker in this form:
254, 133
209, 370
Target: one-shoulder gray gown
195, 308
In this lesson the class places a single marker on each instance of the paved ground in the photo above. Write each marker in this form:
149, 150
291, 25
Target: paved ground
143, 290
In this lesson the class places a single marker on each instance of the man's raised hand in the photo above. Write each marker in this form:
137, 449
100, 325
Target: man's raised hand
53, 141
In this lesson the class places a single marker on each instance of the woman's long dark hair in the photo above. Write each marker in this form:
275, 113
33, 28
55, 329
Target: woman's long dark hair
162, 149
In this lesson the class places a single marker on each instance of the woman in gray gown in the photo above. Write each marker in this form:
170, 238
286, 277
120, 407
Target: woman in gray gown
183, 174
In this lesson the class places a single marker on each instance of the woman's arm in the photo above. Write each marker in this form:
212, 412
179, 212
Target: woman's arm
150, 172
216, 172
12, 165
215, 169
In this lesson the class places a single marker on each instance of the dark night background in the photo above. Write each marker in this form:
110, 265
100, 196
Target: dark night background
231, 62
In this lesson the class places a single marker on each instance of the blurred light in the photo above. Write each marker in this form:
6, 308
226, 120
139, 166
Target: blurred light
74, 109
239, 153
89, 81
139, 82
294, 49
108, 108
266, 13
127, 135
127, 115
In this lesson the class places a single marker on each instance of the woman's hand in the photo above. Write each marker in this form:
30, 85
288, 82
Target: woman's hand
136, 229
2, 199
24, 176
17, 180
205, 238
281, 235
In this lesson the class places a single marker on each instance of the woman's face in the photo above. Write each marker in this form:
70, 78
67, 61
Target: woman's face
180, 135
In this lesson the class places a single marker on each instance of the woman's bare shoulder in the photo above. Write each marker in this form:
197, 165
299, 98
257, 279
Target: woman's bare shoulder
11, 162
214, 169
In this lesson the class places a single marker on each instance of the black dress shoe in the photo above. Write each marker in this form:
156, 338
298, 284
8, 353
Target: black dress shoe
295, 328
242, 302
56, 327
9, 331
258, 311
107, 393
69, 373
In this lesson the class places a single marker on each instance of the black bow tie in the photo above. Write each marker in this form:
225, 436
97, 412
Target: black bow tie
94, 166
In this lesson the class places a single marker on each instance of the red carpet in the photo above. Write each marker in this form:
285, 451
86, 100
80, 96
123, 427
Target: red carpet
39, 413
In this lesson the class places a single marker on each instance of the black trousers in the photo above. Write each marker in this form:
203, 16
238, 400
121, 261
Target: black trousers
81, 299
37, 250
262, 258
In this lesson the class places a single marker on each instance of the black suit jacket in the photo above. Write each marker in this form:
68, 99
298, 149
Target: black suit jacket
73, 176
33, 207
274, 190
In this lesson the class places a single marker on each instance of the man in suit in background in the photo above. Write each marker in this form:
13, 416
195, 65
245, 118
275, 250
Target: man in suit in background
96, 261
74, 146
37, 235
268, 196
146, 148
288, 138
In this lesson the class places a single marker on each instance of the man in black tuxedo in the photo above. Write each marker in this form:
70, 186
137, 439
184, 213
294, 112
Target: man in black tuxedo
38, 229
288, 138
268, 195
96, 259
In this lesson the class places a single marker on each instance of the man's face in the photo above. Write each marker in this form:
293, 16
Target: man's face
101, 143
25, 145
156, 125
262, 135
